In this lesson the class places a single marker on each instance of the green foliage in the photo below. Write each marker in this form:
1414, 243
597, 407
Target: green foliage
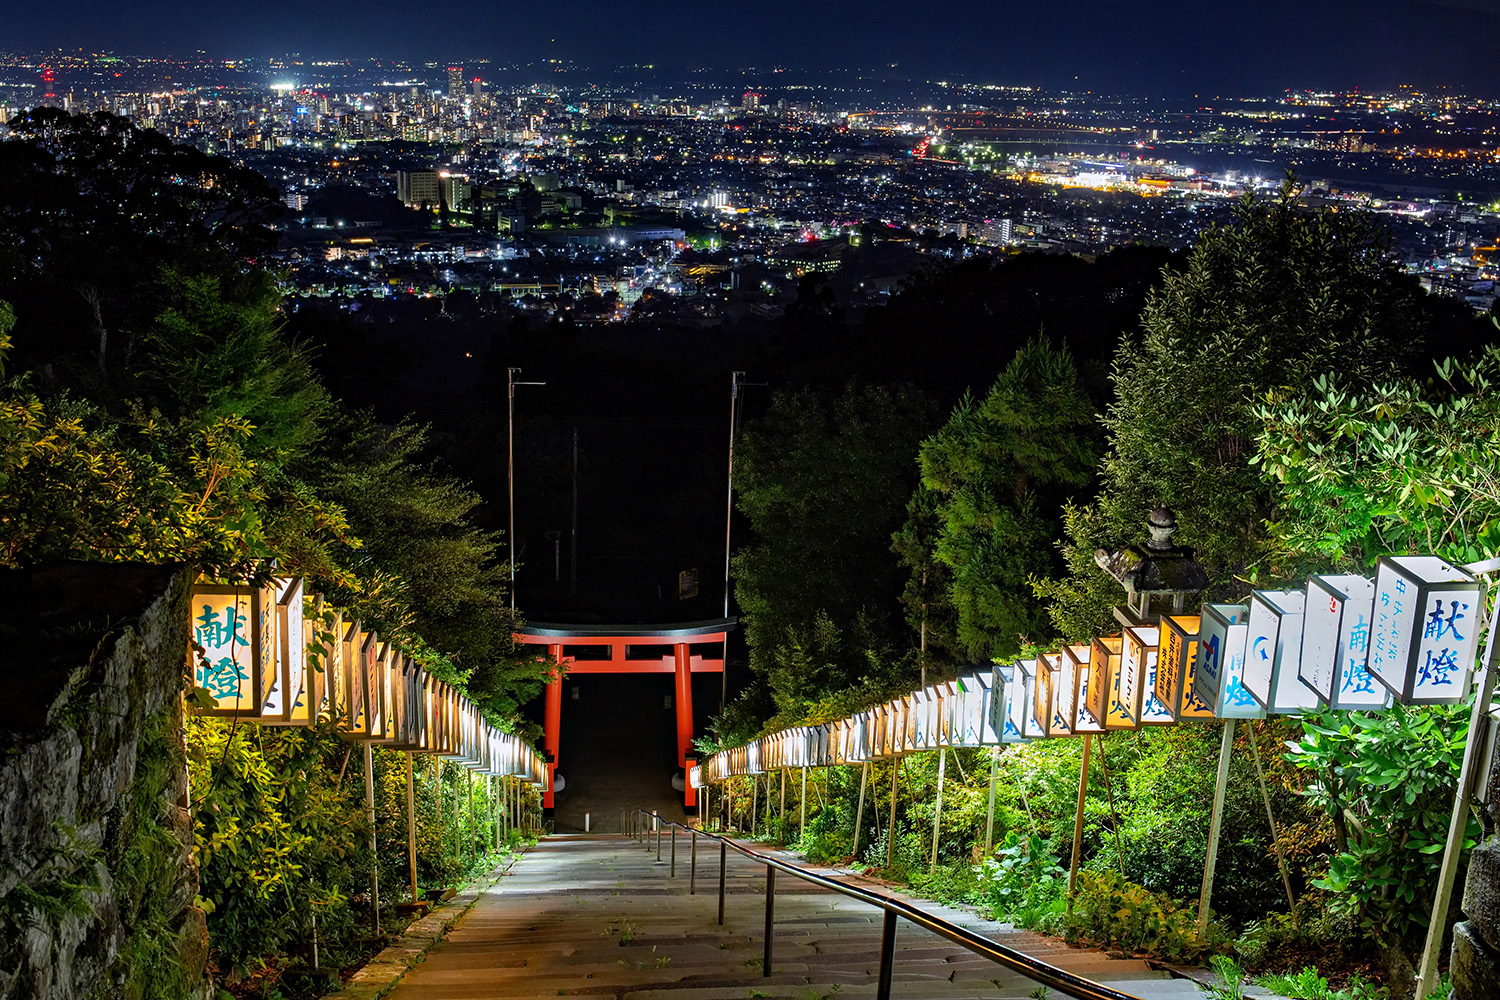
998, 472
1231, 984
1310, 929
275, 839
71, 873
1386, 782
951, 882
1110, 911
1309, 985
1304, 985
282, 836
1401, 466
1275, 299
823, 482
1022, 883
424, 573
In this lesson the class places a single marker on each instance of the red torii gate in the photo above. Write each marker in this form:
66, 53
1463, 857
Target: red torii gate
623, 643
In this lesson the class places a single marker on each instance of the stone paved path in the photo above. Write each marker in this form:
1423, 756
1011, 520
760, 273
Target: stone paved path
600, 917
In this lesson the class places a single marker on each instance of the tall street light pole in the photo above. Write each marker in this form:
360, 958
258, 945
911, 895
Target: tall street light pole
734, 395
510, 467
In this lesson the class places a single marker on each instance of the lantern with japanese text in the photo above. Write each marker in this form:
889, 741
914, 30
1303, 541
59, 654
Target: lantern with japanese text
1177, 668
234, 630
1336, 642
1080, 656
1142, 658
1109, 688
1426, 625
1220, 673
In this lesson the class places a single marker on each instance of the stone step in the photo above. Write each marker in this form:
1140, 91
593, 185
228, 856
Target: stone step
552, 927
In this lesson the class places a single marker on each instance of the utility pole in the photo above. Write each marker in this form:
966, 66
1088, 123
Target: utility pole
510, 467
573, 544
734, 395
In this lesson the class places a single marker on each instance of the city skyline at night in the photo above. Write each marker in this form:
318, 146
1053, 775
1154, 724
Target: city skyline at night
1169, 50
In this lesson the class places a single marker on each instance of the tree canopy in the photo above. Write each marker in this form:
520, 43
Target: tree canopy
993, 481
823, 480
1273, 300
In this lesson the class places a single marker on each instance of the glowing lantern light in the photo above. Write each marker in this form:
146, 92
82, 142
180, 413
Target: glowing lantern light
1177, 668
1220, 676
1336, 642
1081, 656
1056, 693
1104, 701
1142, 659
1426, 626
236, 628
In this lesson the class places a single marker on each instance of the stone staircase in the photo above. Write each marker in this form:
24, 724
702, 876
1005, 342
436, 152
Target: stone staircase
601, 917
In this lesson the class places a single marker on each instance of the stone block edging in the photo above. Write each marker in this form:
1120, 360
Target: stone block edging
381, 974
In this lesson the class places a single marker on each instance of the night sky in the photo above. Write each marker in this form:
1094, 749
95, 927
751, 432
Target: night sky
1166, 47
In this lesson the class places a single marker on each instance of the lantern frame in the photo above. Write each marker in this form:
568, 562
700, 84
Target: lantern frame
1143, 654
251, 677
1408, 653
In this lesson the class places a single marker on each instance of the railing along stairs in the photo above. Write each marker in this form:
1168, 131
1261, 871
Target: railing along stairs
643, 826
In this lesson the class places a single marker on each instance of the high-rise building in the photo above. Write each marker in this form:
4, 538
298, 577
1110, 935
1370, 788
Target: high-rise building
415, 188
751, 100
455, 83
478, 89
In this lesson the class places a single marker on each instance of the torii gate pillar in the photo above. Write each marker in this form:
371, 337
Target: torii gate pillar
553, 725
682, 663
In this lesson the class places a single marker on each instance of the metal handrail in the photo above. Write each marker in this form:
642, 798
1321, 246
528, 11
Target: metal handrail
1051, 976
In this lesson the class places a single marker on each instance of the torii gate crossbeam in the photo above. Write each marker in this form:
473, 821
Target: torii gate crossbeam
624, 643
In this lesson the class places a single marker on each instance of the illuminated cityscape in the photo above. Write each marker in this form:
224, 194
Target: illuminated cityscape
717, 192
727, 501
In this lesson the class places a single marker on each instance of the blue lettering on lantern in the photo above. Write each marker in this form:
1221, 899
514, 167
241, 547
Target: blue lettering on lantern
220, 677
1437, 627
213, 631
1437, 671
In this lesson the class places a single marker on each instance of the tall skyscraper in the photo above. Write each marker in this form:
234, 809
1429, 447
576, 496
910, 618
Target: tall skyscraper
455, 83
478, 89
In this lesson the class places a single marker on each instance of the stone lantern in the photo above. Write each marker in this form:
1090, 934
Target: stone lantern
1156, 571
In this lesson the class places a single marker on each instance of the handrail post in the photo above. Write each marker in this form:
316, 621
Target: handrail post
765, 968
693, 867
887, 956
673, 872
657, 823
723, 856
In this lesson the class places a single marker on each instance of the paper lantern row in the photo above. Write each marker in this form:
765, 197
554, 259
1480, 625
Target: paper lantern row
1344, 642
274, 655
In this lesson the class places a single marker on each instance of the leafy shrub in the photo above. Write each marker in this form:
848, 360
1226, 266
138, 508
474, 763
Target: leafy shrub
1309, 985
957, 882
1109, 910
1023, 882
1386, 782
1311, 930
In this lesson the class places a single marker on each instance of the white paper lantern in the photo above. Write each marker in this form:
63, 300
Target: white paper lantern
1273, 652
1336, 642
1219, 677
1427, 618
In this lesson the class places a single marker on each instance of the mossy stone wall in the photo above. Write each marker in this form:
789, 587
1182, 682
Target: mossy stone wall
97, 880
